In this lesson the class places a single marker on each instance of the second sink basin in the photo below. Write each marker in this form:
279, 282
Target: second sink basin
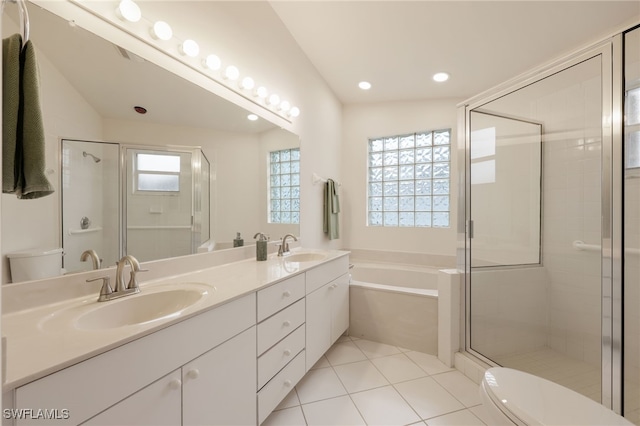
305, 257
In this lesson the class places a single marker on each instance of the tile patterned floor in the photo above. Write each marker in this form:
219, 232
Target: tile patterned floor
359, 382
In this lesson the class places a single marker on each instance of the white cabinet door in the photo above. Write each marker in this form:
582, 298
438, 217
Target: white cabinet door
155, 405
219, 387
339, 306
327, 317
318, 323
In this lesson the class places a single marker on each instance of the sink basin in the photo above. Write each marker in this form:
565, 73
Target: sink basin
150, 305
305, 257
139, 309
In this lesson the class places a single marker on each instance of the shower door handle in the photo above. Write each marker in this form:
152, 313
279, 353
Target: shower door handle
470, 228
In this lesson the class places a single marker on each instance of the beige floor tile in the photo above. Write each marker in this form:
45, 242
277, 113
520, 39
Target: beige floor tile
384, 406
319, 384
287, 417
360, 376
460, 386
459, 418
375, 349
428, 398
321, 363
343, 353
398, 368
338, 411
291, 400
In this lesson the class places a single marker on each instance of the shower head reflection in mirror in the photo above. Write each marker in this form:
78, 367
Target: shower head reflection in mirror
100, 109
86, 154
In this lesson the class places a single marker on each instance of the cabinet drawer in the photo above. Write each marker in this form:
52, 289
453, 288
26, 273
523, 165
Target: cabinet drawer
319, 276
273, 329
277, 389
279, 296
278, 356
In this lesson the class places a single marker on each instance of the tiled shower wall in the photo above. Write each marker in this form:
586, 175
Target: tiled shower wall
572, 212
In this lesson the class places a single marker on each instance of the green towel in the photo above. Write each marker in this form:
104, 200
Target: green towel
11, 47
23, 142
331, 210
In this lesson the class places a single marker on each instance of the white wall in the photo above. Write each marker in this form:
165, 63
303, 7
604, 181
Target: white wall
361, 122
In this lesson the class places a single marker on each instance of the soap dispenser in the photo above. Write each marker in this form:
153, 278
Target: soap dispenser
261, 246
238, 241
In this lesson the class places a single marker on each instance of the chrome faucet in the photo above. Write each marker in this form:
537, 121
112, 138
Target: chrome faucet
97, 262
132, 286
283, 248
109, 293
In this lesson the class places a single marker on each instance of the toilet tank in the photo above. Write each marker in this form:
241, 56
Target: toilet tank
35, 264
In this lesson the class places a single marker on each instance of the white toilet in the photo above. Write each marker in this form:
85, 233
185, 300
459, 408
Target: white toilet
35, 264
513, 397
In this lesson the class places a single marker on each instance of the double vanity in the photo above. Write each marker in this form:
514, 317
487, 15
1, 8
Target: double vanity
221, 345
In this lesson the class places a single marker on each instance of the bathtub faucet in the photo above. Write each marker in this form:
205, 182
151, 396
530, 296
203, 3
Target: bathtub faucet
283, 249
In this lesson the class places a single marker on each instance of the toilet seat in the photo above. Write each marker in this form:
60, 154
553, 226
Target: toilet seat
530, 400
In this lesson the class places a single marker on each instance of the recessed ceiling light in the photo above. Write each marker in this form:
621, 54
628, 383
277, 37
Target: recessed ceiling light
441, 76
252, 117
364, 85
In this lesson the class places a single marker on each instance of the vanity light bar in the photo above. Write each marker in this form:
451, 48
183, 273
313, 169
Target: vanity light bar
129, 12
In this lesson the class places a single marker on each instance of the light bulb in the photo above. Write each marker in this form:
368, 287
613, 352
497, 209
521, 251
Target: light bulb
161, 30
212, 62
189, 48
364, 85
274, 100
261, 92
231, 73
252, 117
441, 76
129, 11
247, 83
294, 112
284, 106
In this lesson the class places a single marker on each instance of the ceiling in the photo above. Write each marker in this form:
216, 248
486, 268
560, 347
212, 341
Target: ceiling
399, 45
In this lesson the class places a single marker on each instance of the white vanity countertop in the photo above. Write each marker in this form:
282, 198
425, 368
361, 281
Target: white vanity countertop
34, 350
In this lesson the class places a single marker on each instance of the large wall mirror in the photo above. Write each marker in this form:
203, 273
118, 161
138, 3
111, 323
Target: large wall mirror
89, 90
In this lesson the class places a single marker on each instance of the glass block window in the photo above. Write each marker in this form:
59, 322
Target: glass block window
157, 172
409, 180
284, 186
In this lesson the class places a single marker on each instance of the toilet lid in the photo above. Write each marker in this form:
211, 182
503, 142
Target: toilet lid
536, 401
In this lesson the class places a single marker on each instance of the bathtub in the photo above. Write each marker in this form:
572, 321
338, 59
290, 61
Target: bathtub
395, 304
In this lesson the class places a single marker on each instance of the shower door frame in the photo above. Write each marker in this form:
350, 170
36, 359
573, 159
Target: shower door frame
610, 52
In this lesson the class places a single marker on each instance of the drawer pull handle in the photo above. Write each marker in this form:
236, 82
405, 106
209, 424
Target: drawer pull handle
175, 384
286, 323
286, 293
287, 383
287, 352
193, 374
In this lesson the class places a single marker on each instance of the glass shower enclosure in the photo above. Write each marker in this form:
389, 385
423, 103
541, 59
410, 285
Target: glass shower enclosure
542, 232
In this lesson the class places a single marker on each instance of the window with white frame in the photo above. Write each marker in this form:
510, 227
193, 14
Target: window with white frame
409, 180
157, 172
284, 186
